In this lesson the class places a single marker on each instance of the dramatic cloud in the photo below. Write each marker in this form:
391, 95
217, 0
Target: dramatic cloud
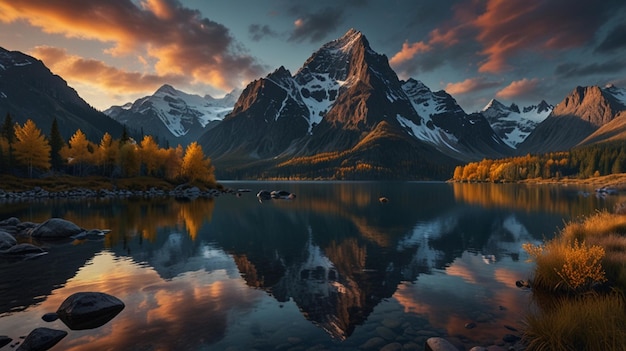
578, 70
257, 32
408, 52
508, 28
520, 88
97, 73
470, 85
316, 26
178, 39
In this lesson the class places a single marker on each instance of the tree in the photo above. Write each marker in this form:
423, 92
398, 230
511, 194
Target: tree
56, 144
78, 153
197, 167
8, 128
107, 153
129, 160
149, 155
31, 148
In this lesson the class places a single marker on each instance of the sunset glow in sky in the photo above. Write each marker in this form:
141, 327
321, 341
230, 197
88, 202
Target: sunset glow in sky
115, 51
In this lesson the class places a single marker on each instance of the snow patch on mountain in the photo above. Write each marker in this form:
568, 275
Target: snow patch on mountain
618, 93
512, 124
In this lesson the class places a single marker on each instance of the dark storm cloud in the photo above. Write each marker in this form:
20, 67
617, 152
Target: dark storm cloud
615, 40
257, 32
578, 69
316, 26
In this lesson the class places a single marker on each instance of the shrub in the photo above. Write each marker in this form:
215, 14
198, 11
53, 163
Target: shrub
567, 267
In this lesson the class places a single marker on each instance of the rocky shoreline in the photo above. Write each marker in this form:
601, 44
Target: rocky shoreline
181, 192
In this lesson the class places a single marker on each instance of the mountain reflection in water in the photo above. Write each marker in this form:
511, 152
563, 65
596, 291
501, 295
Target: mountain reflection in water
232, 271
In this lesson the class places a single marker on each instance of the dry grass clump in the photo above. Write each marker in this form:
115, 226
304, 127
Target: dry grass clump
572, 313
589, 322
566, 267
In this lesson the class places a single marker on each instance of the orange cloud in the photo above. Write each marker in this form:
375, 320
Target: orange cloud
409, 51
97, 73
518, 88
179, 40
469, 85
507, 28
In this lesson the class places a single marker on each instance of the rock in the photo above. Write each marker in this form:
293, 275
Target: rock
4, 340
470, 325
264, 195
439, 344
478, 348
386, 333
522, 284
50, 317
511, 338
373, 344
23, 250
56, 228
88, 310
391, 323
9, 222
394, 346
6, 240
510, 328
42, 339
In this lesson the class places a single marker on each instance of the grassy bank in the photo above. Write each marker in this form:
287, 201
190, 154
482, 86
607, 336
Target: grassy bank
578, 285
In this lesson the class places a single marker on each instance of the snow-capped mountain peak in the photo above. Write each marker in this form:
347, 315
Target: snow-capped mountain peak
177, 111
512, 124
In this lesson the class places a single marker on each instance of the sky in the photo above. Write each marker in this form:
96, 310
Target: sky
516, 51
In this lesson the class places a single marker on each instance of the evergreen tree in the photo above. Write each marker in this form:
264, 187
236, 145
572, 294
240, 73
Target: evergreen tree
124, 138
56, 144
8, 128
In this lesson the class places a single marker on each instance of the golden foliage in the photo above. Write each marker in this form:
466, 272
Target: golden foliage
31, 148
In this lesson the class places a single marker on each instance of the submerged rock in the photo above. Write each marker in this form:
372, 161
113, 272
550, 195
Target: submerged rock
56, 228
6, 240
88, 310
42, 339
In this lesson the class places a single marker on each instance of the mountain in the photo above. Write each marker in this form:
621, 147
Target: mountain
512, 124
586, 115
28, 90
172, 115
346, 114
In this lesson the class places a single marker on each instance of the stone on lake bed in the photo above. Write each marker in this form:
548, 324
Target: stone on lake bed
439, 344
41, 339
89, 310
6, 240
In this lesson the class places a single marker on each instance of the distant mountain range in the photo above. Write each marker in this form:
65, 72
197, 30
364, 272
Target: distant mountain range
343, 115
173, 115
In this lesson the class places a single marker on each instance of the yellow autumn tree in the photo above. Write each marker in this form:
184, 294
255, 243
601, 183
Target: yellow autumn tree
197, 167
77, 152
31, 148
129, 160
107, 152
172, 162
149, 154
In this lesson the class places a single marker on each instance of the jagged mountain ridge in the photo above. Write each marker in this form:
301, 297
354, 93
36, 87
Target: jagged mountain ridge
345, 100
173, 115
512, 124
28, 90
577, 118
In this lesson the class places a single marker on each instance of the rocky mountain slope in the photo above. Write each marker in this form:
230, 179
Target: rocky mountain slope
587, 114
28, 90
172, 115
347, 107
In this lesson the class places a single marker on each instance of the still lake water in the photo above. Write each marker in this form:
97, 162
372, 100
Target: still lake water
332, 269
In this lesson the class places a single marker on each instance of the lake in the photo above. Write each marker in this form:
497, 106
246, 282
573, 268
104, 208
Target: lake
333, 268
